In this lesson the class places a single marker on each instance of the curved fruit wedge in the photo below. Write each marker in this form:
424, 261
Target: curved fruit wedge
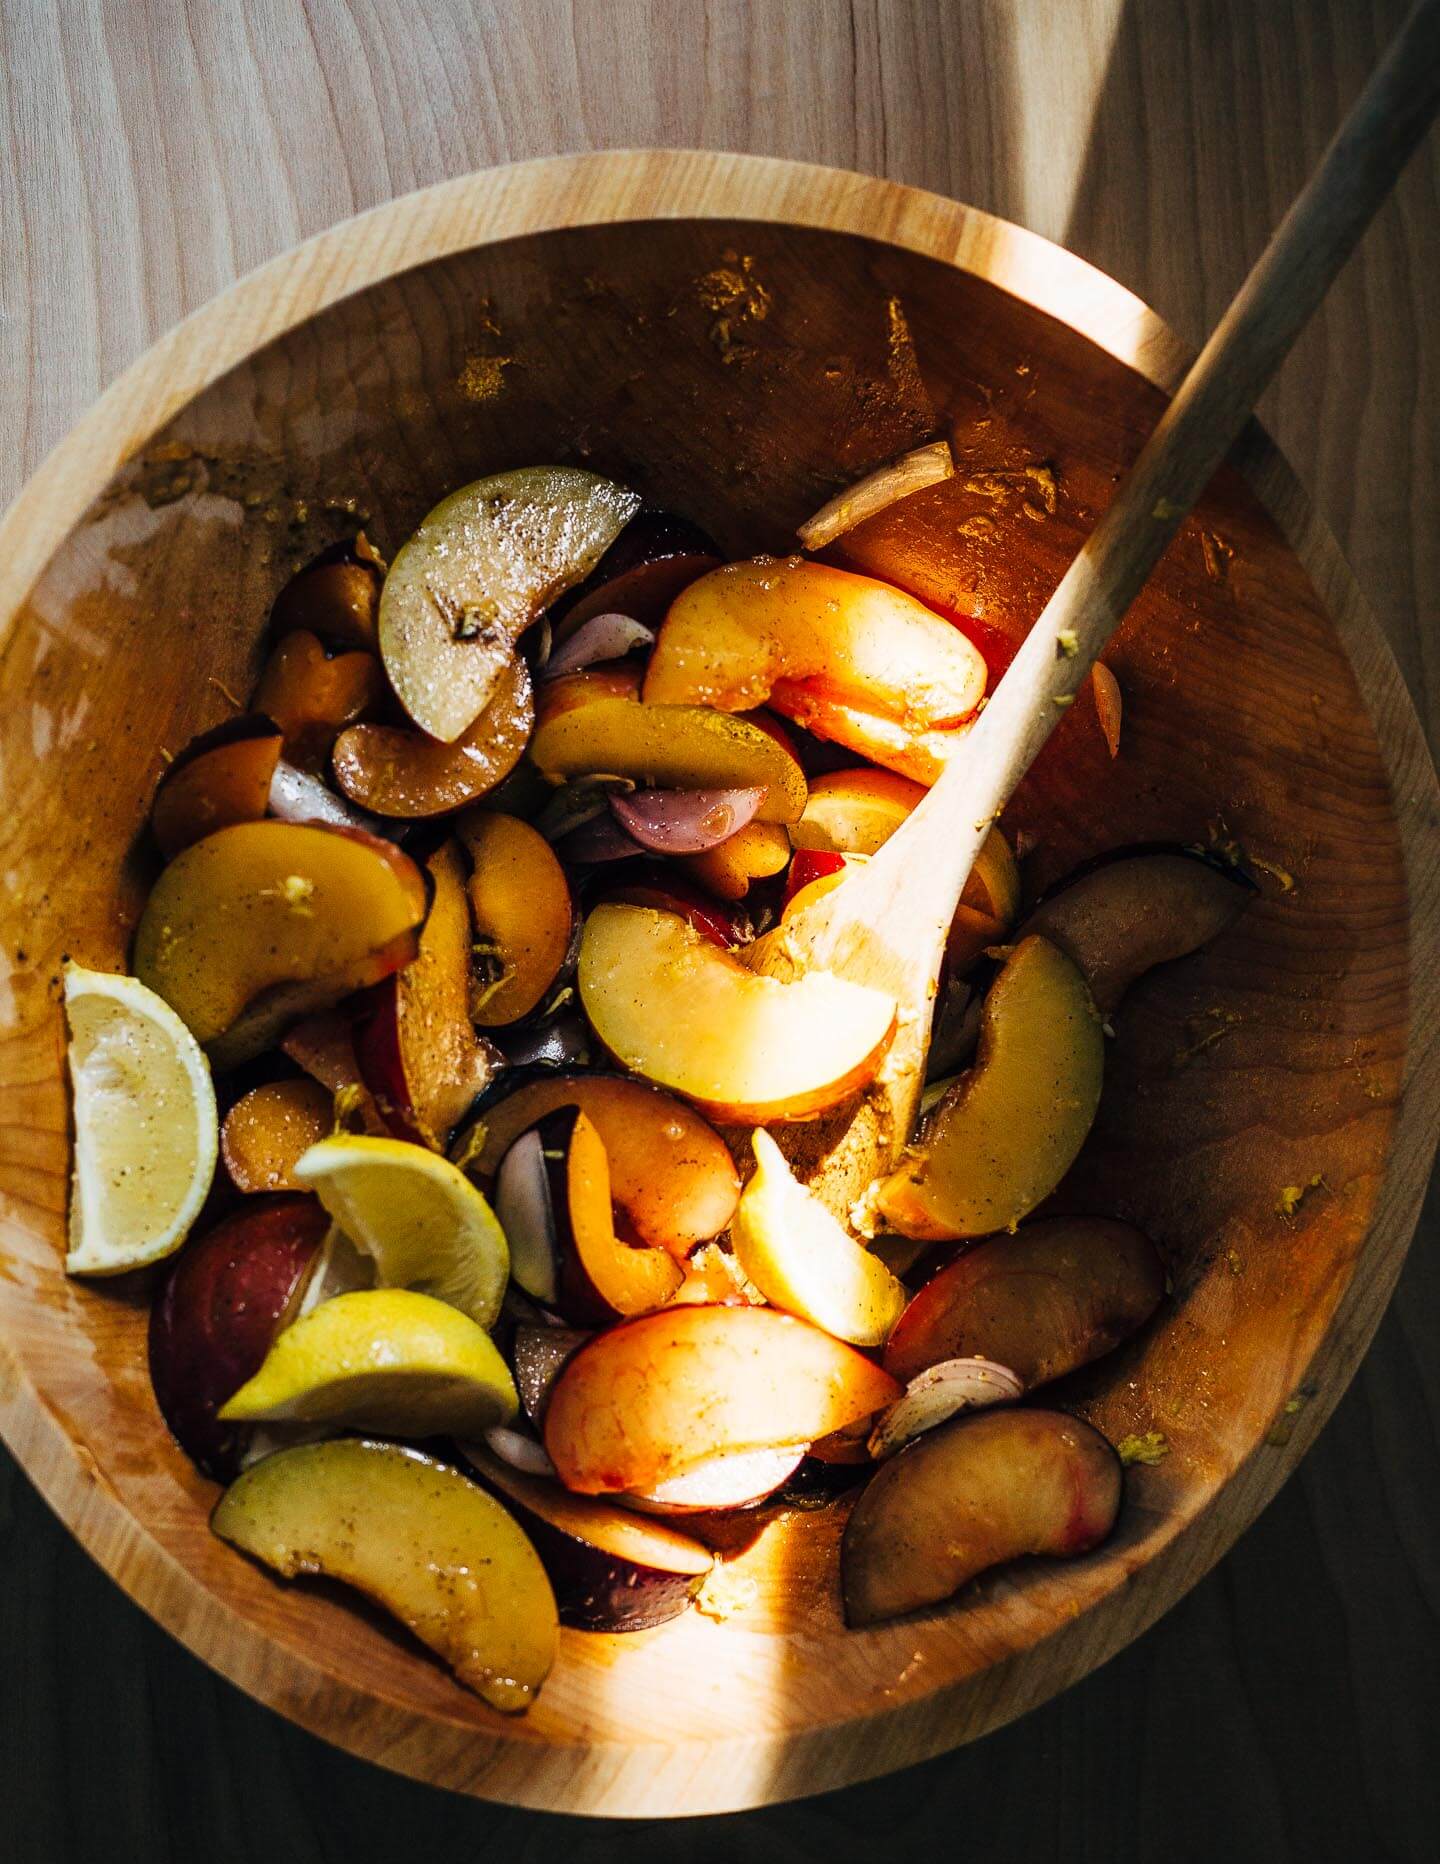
758, 851
1052, 1297
417, 1216
259, 924
965, 1497
1138, 908
671, 1173
1006, 1133
220, 778
855, 811
988, 907
740, 1479
228, 1295
415, 1044
652, 1398
383, 1359
803, 1260
897, 745
398, 772
523, 917
477, 572
313, 696
337, 596
673, 1007
145, 1124
661, 888
748, 633
602, 1276
269, 1128
324, 1046
418, 1538
610, 1572
590, 723
641, 573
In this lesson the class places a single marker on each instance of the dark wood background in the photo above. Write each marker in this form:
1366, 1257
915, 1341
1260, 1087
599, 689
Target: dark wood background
152, 150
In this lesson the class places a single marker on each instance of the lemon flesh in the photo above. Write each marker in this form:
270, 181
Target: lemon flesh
418, 1217
381, 1359
145, 1126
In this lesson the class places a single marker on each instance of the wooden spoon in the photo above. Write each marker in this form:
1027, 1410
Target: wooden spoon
886, 926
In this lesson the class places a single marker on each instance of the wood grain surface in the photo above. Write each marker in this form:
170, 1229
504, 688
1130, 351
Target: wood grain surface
1288, 1707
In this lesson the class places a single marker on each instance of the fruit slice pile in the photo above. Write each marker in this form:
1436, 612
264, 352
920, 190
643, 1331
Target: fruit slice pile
457, 913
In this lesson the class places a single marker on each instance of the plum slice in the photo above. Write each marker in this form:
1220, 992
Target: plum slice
418, 1537
1044, 1301
1137, 908
313, 696
553, 1196
477, 572
229, 1293
759, 850
262, 923
396, 771
980, 1490
752, 629
268, 1129
220, 778
1009, 1129
650, 562
670, 1172
603, 1277
523, 917
415, 1045
610, 1571
652, 1398
589, 723
668, 1004
336, 595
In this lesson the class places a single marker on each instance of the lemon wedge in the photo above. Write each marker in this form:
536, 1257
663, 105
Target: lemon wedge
145, 1125
382, 1359
417, 1216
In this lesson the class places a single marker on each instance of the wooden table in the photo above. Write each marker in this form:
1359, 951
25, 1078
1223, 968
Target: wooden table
152, 151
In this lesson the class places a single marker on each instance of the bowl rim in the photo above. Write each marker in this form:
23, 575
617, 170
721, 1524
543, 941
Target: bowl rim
559, 192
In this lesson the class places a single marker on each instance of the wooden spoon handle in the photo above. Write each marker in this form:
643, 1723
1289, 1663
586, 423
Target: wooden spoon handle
1207, 415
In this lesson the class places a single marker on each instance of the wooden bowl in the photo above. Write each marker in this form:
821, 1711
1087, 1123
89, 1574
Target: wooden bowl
736, 337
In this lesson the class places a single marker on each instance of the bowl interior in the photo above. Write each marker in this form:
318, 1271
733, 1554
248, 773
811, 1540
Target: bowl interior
739, 372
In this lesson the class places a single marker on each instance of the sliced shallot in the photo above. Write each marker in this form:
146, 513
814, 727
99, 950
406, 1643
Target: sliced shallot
601, 638
519, 1449
296, 796
887, 485
522, 1204
939, 1393
685, 821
